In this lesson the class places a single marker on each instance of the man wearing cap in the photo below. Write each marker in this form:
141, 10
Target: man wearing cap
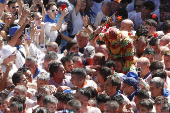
8, 54
130, 85
20, 49
157, 88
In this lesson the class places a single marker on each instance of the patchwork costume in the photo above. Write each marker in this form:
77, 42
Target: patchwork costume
119, 45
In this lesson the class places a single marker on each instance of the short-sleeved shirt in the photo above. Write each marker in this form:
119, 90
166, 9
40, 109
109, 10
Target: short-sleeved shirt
66, 82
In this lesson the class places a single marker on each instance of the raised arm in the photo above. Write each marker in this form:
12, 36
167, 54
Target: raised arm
78, 6
20, 4
18, 33
43, 9
60, 21
2, 6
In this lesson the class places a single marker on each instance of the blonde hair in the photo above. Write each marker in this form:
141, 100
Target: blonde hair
83, 33
4, 15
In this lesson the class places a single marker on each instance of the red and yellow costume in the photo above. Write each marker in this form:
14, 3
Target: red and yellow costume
119, 45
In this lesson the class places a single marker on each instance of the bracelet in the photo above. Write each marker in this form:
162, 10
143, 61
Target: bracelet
86, 26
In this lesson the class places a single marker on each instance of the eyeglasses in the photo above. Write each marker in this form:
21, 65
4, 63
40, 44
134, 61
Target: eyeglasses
8, 88
69, 111
139, 6
14, 7
53, 10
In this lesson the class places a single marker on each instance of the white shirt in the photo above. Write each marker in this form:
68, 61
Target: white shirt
131, 13
12, 70
50, 34
97, 7
20, 60
77, 22
137, 20
90, 83
99, 17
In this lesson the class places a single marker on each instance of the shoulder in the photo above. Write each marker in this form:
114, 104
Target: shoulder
93, 110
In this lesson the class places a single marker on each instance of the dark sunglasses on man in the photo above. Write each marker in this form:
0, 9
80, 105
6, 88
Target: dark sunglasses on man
8, 88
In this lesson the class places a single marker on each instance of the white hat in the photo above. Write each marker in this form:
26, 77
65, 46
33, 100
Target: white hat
6, 51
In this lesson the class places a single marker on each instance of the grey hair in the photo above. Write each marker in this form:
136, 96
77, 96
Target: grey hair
32, 59
159, 82
75, 103
51, 55
44, 88
76, 58
43, 76
21, 88
50, 99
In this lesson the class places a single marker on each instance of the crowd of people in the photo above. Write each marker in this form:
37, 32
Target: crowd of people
84, 56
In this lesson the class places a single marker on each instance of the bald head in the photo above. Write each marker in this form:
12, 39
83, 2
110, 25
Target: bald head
144, 61
164, 40
144, 64
126, 25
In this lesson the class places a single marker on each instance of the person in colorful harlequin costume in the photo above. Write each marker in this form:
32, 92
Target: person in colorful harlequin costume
119, 45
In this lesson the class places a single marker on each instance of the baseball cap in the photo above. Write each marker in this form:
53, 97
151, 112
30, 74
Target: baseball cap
131, 82
6, 51
131, 74
12, 31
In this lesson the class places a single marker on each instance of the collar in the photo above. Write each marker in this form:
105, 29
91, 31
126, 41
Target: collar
146, 75
131, 96
167, 69
165, 92
18, 47
48, 19
85, 83
37, 72
118, 92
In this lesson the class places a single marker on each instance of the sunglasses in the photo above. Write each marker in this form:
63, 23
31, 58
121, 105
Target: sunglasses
69, 111
8, 88
138, 6
53, 10
15, 7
